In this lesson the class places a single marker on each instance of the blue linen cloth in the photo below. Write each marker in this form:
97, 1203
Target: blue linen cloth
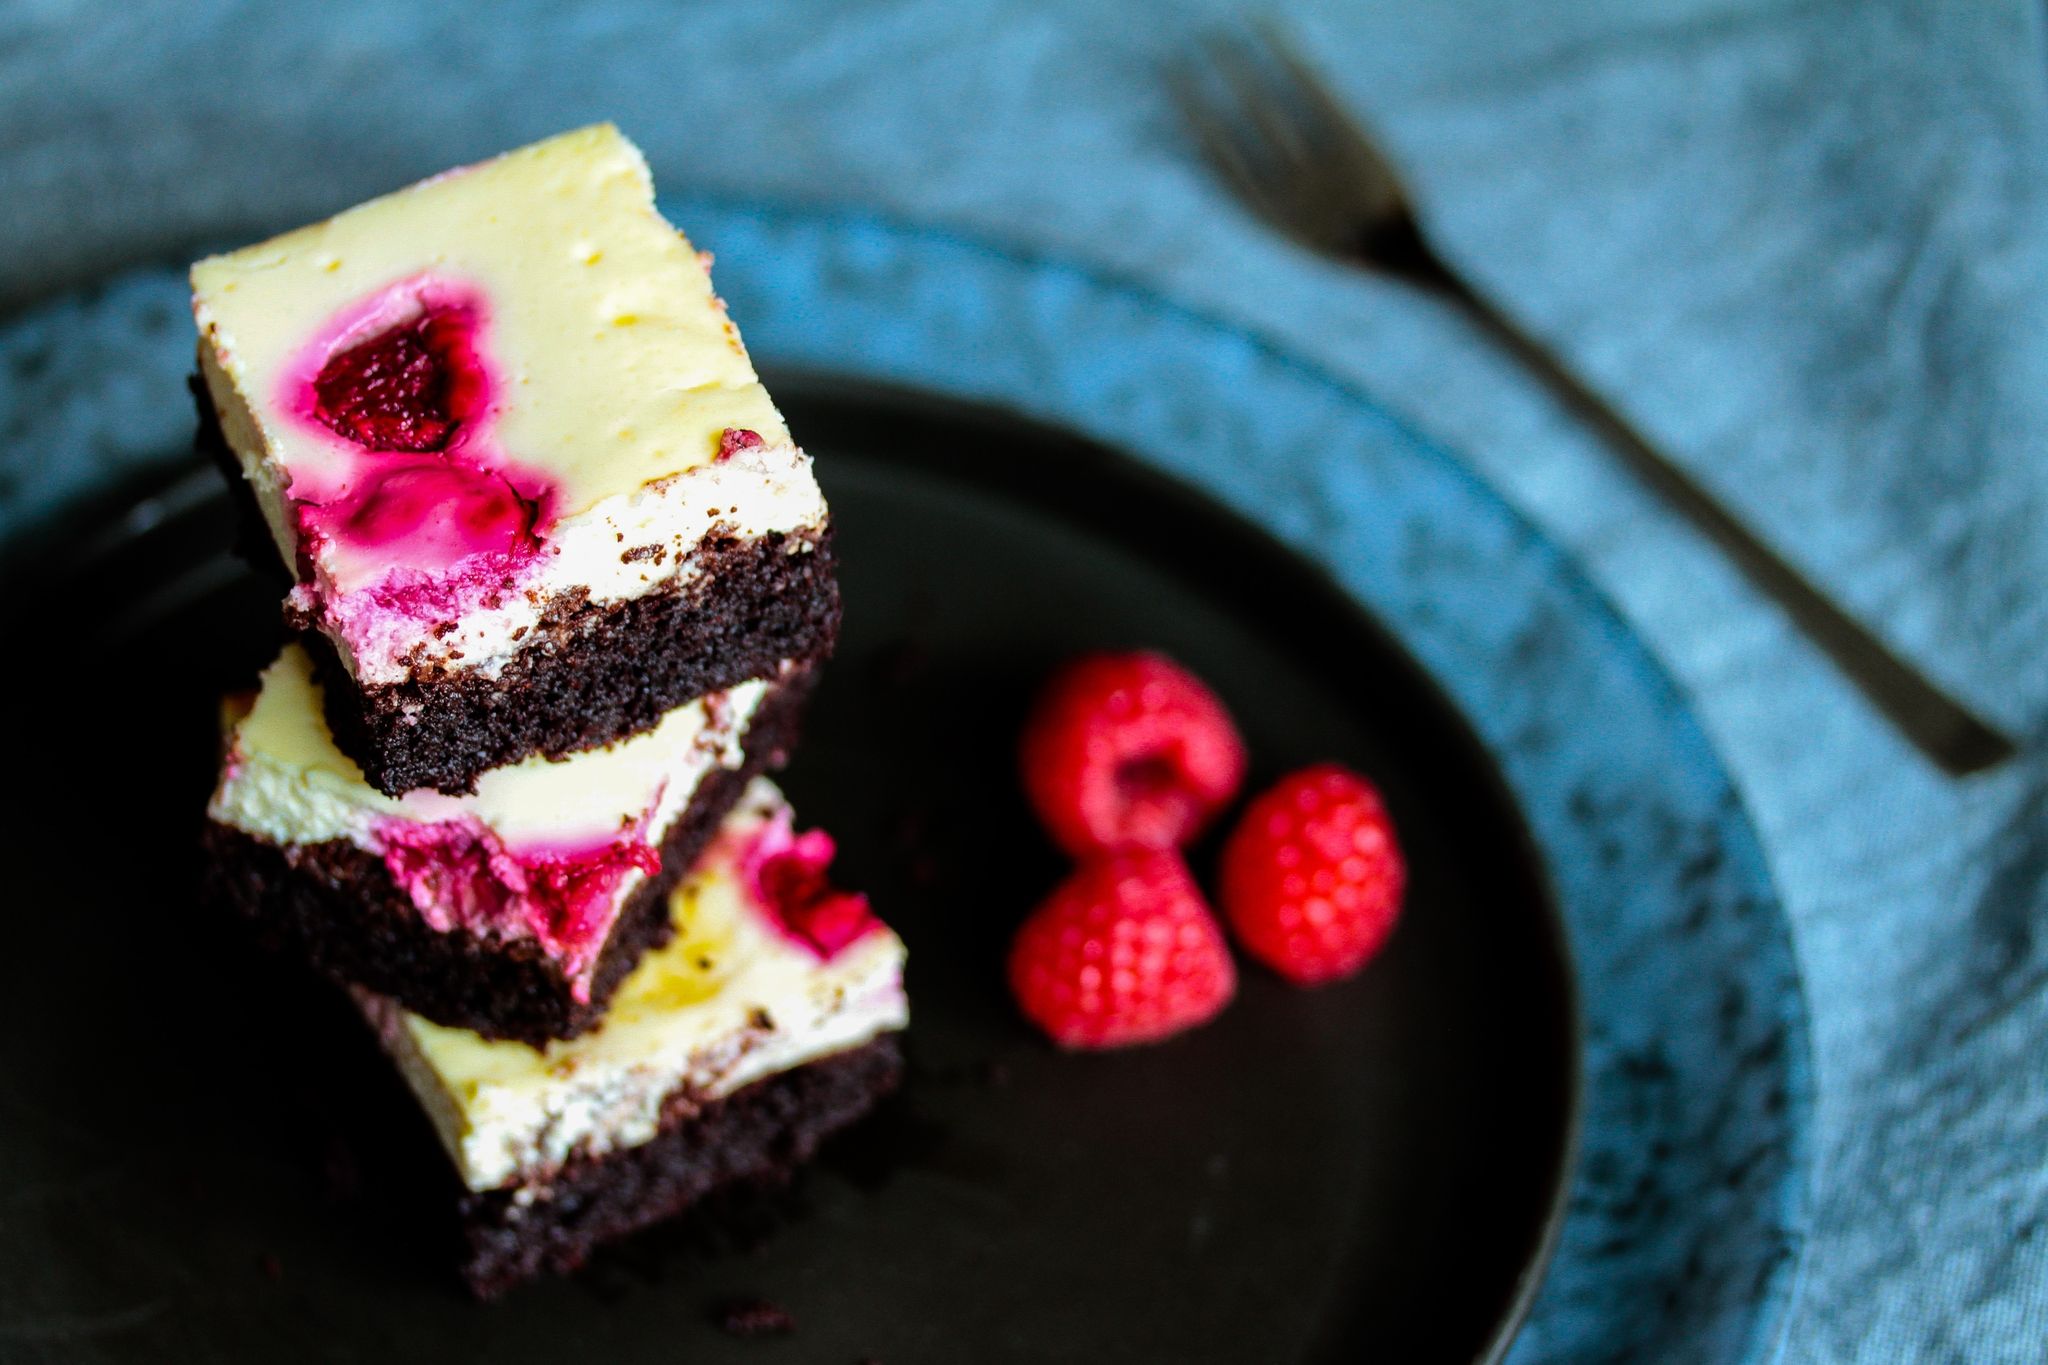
1802, 243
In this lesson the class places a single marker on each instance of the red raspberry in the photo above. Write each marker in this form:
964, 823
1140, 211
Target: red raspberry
1312, 877
793, 885
1128, 751
405, 389
1123, 951
733, 440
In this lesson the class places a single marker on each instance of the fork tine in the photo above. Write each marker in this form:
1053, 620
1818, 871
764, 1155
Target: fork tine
1221, 130
1283, 141
1342, 132
1262, 99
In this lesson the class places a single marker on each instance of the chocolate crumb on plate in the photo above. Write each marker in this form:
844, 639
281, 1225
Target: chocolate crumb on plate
754, 1317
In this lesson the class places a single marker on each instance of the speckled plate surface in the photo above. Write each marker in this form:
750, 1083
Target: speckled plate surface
1689, 1207
189, 1232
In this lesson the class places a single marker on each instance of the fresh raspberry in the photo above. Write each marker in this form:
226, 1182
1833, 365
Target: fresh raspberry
1128, 751
405, 389
1123, 951
1312, 877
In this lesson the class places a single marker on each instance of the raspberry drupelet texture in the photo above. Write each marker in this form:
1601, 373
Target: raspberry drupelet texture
1312, 877
405, 389
1128, 750
1124, 951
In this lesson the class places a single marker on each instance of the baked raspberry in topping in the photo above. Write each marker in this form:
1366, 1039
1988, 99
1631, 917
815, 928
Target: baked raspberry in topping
733, 440
786, 872
407, 388
402, 374
1312, 876
577, 892
465, 507
460, 875
1128, 751
1123, 951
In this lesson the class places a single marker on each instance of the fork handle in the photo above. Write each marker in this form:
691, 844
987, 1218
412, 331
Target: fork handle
1940, 726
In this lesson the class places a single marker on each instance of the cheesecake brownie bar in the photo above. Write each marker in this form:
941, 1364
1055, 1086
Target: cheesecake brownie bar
531, 492
514, 911
767, 1022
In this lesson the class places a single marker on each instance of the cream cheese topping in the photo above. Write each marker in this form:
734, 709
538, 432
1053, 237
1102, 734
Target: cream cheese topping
614, 374
626, 545
730, 1000
286, 781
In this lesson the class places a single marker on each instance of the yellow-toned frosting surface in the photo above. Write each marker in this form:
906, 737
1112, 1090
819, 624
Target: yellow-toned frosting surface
615, 362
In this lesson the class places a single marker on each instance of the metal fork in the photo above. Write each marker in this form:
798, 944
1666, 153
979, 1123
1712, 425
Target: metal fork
1276, 133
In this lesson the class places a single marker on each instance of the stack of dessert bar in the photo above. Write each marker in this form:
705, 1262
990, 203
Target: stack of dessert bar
560, 584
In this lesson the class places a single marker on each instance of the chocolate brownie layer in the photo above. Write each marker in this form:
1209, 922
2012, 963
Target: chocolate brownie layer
762, 1132
590, 673
338, 905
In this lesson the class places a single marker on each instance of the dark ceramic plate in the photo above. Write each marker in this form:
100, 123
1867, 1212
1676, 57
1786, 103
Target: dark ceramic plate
1376, 1164
199, 1166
